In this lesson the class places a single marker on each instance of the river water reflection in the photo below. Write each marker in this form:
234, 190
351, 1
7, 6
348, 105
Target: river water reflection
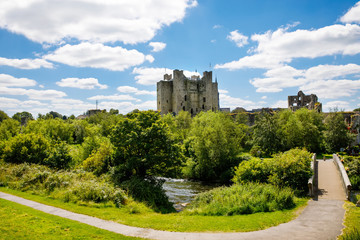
181, 192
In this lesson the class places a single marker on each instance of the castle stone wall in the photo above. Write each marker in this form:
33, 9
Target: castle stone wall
179, 93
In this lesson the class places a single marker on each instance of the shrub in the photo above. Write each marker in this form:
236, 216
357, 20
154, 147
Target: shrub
242, 199
59, 156
353, 164
74, 186
30, 148
98, 162
253, 170
289, 169
149, 191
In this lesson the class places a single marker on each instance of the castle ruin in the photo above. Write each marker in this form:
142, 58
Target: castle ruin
178, 93
301, 100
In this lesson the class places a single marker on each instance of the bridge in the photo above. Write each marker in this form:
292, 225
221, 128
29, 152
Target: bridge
330, 180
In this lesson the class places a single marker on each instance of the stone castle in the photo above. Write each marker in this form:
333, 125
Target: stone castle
301, 100
178, 93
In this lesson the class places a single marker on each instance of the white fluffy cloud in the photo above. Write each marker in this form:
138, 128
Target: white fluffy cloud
239, 39
321, 80
332, 89
25, 63
340, 105
128, 89
115, 97
98, 56
91, 20
353, 15
281, 46
82, 83
157, 46
10, 81
32, 93
232, 102
150, 76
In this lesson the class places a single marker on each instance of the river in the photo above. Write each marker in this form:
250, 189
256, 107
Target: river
181, 192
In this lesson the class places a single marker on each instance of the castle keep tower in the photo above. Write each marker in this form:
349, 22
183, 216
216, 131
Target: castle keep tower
177, 92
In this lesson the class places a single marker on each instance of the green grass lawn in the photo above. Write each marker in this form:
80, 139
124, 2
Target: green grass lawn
21, 222
175, 221
351, 222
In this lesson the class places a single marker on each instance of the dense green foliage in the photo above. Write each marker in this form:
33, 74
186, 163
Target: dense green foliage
242, 199
149, 191
213, 146
352, 165
26, 116
336, 134
30, 148
133, 149
143, 147
69, 186
289, 169
3, 116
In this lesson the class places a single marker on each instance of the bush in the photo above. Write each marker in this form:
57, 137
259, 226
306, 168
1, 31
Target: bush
98, 162
74, 186
59, 156
30, 148
149, 191
213, 146
289, 169
353, 164
242, 199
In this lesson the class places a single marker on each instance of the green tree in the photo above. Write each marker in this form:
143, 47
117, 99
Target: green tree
302, 129
26, 116
336, 134
143, 147
9, 128
213, 146
3, 116
53, 114
267, 134
54, 129
30, 148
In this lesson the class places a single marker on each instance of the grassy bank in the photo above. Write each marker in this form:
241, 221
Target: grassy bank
21, 222
174, 221
351, 222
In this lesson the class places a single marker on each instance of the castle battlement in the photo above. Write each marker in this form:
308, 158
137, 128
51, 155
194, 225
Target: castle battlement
179, 93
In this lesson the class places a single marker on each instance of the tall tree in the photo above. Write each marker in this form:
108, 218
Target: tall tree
336, 134
143, 147
267, 134
3, 116
213, 146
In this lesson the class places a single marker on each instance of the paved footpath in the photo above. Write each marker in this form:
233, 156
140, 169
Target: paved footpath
320, 220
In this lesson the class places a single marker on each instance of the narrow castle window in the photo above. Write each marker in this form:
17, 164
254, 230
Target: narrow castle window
204, 99
184, 108
203, 107
185, 98
167, 101
192, 112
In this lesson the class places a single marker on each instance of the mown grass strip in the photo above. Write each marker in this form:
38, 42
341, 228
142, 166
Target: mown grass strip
21, 222
175, 221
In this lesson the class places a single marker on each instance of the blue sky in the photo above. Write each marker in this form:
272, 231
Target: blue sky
63, 55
